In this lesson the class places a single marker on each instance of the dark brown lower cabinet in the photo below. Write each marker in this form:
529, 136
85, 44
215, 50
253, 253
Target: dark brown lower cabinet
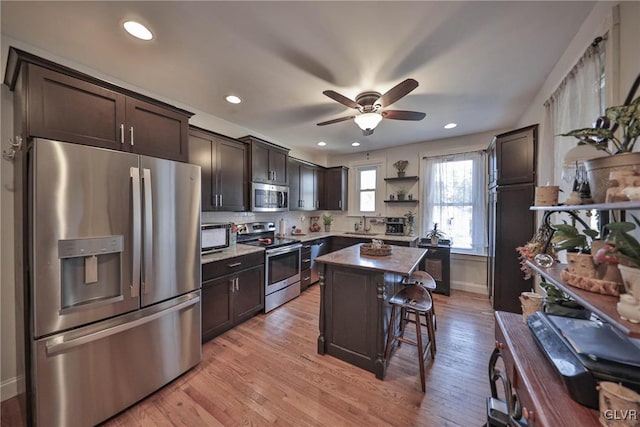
231, 299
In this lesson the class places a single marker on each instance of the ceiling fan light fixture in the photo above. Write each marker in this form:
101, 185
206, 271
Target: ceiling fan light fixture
368, 121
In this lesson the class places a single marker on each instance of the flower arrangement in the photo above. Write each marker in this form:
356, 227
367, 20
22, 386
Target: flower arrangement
401, 165
537, 245
327, 219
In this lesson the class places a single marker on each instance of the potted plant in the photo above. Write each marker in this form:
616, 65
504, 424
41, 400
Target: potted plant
619, 149
401, 165
556, 302
327, 220
401, 194
577, 244
623, 248
434, 234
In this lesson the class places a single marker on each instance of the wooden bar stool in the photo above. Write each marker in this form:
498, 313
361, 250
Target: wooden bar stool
425, 280
412, 299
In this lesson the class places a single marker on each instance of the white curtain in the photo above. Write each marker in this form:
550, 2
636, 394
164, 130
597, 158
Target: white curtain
576, 104
455, 198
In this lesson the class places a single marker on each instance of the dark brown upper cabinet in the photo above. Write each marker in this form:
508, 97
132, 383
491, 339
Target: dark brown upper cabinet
515, 153
56, 102
268, 161
224, 169
336, 188
305, 186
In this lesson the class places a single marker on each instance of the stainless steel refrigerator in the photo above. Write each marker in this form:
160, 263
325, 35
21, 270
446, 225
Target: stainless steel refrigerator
114, 279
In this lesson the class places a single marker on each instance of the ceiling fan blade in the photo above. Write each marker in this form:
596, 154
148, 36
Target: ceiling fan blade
341, 119
397, 92
403, 115
342, 99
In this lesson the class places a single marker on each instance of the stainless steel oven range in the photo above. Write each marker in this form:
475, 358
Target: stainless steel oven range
282, 262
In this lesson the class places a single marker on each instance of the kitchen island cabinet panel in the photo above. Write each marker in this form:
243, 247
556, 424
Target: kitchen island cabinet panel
354, 309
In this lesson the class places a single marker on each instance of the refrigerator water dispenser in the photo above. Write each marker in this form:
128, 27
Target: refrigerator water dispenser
90, 270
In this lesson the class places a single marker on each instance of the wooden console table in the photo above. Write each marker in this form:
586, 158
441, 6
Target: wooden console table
538, 386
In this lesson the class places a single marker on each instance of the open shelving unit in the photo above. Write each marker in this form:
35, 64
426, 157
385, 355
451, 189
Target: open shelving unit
604, 306
414, 201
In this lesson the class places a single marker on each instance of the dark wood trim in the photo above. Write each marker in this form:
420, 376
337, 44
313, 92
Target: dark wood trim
17, 57
219, 135
249, 138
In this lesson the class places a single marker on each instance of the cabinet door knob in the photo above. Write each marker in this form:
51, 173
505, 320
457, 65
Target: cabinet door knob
528, 414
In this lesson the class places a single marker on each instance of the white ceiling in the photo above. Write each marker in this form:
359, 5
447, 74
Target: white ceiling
478, 63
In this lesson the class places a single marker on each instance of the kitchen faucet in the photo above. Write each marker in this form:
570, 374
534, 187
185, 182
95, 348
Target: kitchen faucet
364, 224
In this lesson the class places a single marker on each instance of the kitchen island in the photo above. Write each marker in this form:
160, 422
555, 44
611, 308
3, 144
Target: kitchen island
354, 309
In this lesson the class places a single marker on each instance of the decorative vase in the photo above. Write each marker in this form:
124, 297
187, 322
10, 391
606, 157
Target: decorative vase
327, 227
401, 174
629, 305
400, 196
530, 303
435, 240
598, 171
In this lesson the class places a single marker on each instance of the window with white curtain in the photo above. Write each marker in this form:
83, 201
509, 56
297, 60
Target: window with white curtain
455, 199
575, 104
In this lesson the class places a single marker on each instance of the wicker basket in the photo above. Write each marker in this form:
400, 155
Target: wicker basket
368, 249
604, 287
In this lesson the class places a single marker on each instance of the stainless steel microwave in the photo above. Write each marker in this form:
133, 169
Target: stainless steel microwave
269, 198
215, 237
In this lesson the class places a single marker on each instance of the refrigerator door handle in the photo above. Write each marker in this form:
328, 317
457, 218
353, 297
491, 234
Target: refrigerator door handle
148, 230
136, 240
59, 345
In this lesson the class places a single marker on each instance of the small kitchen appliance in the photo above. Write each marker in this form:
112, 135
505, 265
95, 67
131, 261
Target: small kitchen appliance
395, 226
214, 237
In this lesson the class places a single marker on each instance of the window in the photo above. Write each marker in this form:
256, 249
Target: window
455, 200
367, 178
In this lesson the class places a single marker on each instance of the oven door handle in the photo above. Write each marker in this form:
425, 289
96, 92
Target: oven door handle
286, 249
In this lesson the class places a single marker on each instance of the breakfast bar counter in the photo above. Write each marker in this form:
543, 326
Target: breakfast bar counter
354, 309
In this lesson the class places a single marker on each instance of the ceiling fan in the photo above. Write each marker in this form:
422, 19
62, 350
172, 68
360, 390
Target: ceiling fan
370, 105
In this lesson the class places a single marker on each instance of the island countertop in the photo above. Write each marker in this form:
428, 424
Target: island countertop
403, 260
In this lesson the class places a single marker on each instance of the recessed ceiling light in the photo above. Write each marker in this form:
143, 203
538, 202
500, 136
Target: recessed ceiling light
138, 30
233, 99
450, 125
322, 143
355, 144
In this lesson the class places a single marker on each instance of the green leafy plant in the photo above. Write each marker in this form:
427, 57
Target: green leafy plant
622, 245
327, 219
626, 117
434, 232
556, 296
567, 237
410, 217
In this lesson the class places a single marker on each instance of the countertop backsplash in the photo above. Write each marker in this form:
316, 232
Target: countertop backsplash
341, 222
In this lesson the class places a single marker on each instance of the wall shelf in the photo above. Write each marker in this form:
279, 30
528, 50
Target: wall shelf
597, 206
401, 178
415, 202
602, 305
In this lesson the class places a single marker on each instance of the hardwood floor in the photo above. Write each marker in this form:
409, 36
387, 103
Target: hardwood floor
267, 372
